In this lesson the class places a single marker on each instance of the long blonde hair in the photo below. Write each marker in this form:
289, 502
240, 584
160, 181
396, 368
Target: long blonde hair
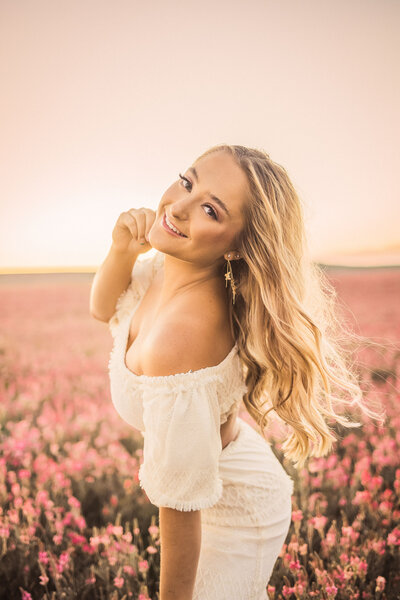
284, 317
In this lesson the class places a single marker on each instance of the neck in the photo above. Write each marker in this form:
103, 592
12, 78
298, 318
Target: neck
181, 276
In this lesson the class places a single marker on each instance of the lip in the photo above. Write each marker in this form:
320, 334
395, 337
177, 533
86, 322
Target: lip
164, 224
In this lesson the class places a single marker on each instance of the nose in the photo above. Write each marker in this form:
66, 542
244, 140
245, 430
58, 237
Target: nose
179, 210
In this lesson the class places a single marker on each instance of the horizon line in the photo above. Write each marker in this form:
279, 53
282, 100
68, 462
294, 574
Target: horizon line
92, 270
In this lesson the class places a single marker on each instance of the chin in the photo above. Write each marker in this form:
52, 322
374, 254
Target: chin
163, 245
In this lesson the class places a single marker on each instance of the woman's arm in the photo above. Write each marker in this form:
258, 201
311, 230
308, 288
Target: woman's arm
110, 280
180, 539
113, 277
181, 450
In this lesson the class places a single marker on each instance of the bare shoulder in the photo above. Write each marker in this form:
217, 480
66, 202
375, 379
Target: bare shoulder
188, 342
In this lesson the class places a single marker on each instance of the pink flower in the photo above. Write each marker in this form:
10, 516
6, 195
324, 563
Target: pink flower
330, 538
25, 595
331, 589
43, 558
76, 538
143, 566
62, 562
378, 546
119, 582
72, 501
297, 515
360, 566
16, 489
303, 549
153, 530
319, 522
362, 497
288, 591
117, 530
393, 538
43, 579
294, 565
348, 532
380, 584
151, 549
386, 507
80, 522
24, 474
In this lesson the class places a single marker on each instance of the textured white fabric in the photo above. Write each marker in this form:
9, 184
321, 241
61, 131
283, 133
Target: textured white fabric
243, 491
255, 484
179, 415
236, 563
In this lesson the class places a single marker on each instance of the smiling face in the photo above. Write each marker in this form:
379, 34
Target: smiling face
206, 205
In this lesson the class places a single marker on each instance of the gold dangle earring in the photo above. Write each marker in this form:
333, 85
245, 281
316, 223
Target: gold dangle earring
229, 276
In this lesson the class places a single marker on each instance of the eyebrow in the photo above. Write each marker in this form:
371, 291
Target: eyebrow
217, 200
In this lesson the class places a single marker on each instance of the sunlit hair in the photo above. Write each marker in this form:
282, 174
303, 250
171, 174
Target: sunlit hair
284, 317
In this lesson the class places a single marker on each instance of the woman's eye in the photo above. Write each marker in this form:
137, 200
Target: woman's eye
185, 180
214, 214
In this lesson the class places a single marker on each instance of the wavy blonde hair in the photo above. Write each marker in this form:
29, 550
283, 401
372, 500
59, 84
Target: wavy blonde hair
284, 317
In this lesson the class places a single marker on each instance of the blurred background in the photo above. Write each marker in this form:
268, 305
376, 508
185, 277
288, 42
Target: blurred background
103, 104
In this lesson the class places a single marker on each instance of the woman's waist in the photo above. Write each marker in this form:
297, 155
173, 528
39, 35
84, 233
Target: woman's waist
250, 459
246, 505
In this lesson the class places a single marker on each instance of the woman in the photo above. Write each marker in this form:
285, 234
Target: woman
227, 308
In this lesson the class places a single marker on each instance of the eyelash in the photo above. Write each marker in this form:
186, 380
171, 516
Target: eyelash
214, 215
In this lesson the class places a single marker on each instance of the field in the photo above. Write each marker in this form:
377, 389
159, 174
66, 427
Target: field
74, 522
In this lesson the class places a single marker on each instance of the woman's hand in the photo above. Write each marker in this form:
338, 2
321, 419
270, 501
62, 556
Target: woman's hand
131, 229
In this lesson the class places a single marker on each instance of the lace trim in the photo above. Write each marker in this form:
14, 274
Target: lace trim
250, 505
182, 490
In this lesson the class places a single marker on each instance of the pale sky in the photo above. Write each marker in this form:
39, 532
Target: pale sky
103, 103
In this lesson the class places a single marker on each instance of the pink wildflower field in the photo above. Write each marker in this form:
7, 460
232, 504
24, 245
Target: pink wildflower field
74, 522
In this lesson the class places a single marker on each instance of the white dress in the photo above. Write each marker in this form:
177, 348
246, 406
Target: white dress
243, 491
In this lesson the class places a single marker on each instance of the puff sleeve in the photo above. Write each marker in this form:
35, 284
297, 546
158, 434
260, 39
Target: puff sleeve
182, 443
143, 272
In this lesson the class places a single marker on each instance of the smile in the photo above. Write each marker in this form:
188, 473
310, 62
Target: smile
170, 227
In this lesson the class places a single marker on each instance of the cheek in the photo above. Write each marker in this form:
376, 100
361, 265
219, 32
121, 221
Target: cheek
212, 234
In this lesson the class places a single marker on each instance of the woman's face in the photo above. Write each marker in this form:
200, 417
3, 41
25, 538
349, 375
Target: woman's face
205, 205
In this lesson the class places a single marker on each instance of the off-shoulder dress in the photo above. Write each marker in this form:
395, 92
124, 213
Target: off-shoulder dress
243, 491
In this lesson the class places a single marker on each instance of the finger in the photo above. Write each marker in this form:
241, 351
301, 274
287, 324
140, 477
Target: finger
150, 218
141, 225
145, 219
130, 222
